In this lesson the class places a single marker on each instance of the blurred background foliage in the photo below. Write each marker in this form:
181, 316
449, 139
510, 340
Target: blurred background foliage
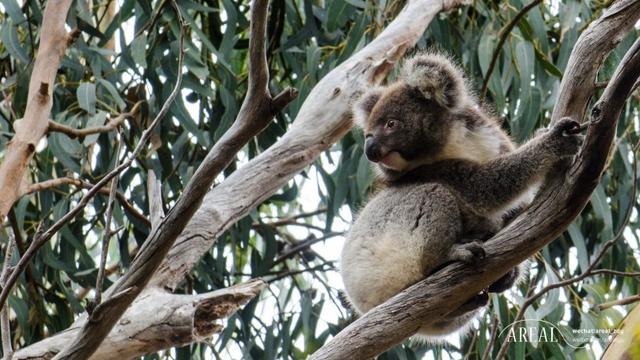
132, 56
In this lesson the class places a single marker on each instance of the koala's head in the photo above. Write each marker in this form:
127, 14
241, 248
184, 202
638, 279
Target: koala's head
409, 122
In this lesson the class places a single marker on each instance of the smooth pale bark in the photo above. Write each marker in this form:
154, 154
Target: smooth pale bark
33, 126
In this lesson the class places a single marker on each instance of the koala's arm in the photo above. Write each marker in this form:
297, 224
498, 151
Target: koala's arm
494, 184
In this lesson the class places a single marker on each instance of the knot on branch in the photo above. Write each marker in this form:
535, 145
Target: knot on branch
283, 99
72, 36
43, 92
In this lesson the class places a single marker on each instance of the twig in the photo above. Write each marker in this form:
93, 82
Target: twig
287, 223
291, 219
67, 180
304, 245
82, 133
492, 339
107, 231
590, 269
82, 293
623, 301
321, 267
32, 285
504, 33
5, 326
39, 241
614, 272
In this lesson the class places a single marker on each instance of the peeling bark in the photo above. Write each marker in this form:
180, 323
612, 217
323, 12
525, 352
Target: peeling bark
158, 321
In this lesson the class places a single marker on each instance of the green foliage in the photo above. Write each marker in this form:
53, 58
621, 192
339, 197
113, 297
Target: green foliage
301, 308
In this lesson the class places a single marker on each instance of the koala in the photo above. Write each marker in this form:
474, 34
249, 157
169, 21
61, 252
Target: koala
451, 177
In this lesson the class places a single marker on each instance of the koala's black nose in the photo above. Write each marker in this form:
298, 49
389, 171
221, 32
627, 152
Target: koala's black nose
372, 149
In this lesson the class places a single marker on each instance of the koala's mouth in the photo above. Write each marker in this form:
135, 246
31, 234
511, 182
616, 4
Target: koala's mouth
393, 160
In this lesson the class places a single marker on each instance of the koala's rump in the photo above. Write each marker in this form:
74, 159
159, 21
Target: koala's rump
402, 234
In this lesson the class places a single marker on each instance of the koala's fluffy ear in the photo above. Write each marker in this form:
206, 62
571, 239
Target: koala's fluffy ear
365, 104
437, 78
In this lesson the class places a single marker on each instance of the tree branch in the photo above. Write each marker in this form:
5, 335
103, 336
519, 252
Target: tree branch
556, 205
107, 231
111, 125
595, 43
143, 328
33, 126
624, 301
67, 180
590, 270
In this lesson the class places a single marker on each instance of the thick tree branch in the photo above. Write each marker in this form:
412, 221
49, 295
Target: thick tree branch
589, 271
144, 328
33, 126
557, 204
596, 42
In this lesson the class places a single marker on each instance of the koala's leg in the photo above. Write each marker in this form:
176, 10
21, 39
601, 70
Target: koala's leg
494, 184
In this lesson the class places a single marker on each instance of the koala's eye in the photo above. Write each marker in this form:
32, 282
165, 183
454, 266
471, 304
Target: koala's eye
391, 124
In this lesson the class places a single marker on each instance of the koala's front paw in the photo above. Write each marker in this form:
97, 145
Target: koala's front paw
470, 252
564, 139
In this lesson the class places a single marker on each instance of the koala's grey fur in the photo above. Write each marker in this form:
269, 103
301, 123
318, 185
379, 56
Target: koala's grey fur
450, 174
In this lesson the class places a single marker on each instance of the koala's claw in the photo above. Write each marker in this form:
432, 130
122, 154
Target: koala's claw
470, 252
567, 127
565, 139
